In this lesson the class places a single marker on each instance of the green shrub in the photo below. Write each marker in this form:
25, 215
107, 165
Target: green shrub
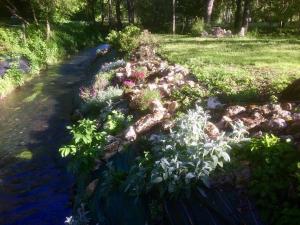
126, 40
87, 144
275, 178
198, 27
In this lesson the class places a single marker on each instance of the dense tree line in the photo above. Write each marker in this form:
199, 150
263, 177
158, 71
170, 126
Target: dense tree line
157, 15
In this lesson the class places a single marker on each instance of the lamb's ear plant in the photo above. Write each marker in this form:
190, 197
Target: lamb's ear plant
183, 158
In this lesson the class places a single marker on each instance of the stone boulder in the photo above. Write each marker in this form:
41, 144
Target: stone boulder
235, 110
204, 34
212, 130
218, 32
228, 33
276, 124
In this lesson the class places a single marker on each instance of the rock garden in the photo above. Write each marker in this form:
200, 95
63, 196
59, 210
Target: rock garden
148, 140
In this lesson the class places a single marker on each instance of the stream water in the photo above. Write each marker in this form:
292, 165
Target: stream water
35, 188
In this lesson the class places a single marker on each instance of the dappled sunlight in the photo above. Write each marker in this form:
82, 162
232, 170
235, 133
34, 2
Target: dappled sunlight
24, 155
37, 90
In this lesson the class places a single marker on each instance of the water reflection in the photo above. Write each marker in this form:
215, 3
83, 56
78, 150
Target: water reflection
34, 185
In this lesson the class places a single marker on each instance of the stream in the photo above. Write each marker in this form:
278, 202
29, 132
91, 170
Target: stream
35, 188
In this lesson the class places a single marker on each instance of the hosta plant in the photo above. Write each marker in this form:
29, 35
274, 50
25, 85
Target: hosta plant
184, 157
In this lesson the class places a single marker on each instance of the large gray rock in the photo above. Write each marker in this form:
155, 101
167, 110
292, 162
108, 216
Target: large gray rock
218, 32
235, 110
277, 124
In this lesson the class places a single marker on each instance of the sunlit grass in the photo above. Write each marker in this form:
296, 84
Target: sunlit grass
244, 69
25, 155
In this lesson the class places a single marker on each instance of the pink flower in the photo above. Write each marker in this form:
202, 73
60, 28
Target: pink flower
128, 83
138, 75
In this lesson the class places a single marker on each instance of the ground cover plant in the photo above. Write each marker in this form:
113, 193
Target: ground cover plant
242, 69
275, 178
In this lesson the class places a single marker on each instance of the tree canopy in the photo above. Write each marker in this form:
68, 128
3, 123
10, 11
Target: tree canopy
157, 15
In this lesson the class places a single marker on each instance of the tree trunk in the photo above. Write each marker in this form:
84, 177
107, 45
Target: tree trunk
91, 10
24, 33
33, 13
246, 16
174, 16
118, 14
209, 9
102, 12
110, 13
238, 16
130, 9
14, 11
48, 28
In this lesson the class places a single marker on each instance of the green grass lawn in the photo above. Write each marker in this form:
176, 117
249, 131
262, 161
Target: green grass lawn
238, 69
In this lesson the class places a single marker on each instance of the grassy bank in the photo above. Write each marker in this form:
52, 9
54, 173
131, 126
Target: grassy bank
239, 69
33, 45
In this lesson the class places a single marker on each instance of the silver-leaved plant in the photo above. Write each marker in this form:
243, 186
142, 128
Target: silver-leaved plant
185, 156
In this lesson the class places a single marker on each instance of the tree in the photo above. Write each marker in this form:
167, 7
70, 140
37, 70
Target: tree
238, 16
90, 9
130, 9
246, 15
110, 12
174, 16
14, 11
118, 14
209, 9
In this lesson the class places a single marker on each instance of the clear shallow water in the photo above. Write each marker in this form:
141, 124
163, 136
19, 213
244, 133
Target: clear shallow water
35, 188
